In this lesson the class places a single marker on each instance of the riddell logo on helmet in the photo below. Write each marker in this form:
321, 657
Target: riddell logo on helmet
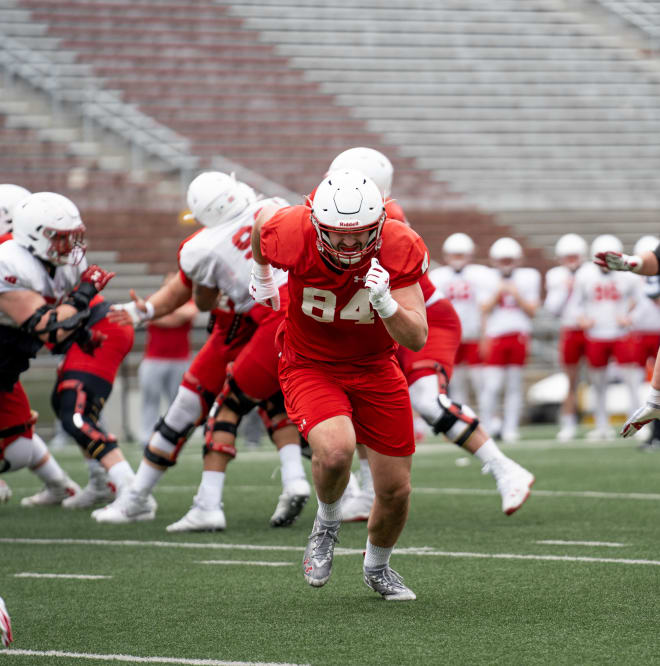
350, 223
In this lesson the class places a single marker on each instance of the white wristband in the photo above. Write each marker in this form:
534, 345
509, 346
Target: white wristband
385, 306
637, 267
261, 270
149, 314
654, 396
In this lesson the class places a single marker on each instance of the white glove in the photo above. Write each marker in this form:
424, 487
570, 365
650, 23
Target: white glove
616, 261
5, 625
5, 491
377, 281
262, 286
137, 315
644, 415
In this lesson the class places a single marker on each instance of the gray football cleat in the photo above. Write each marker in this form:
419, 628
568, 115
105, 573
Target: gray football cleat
388, 583
290, 503
317, 560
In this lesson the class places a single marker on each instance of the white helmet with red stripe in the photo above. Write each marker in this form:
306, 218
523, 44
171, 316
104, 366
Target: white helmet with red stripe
605, 243
10, 195
215, 197
348, 202
371, 163
571, 244
49, 226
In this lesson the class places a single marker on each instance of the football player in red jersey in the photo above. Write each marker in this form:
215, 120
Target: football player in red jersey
429, 371
353, 295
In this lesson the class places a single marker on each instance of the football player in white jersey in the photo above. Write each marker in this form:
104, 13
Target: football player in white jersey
605, 300
647, 263
216, 262
45, 294
571, 253
508, 305
462, 282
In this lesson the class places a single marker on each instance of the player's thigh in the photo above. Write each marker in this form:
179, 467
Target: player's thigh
382, 414
312, 395
14, 407
209, 367
598, 353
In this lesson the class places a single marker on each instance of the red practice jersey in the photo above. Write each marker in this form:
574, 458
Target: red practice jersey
329, 317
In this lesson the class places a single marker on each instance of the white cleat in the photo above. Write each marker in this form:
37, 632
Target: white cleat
52, 494
5, 491
129, 507
510, 436
291, 503
567, 433
514, 484
92, 494
357, 507
200, 520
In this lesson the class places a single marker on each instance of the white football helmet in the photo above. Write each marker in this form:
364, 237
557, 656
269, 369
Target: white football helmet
505, 248
570, 244
644, 244
605, 243
458, 250
10, 195
215, 197
371, 163
348, 202
49, 226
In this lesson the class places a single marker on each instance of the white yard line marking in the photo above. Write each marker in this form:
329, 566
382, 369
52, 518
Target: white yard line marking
559, 542
586, 494
136, 660
423, 550
27, 574
253, 563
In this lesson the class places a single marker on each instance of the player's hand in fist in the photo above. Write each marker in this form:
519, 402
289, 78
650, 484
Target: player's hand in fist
262, 286
97, 277
377, 281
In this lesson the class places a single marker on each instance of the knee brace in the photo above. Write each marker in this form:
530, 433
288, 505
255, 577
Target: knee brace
457, 422
173, 430
235, 400
167, 440
79, 416
273, 414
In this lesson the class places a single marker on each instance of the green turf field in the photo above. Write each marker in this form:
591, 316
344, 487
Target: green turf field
489, 591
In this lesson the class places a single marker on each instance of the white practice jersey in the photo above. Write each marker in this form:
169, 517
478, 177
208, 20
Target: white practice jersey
507, 317
221, 257
646, 316
464, 289
22, 271
604, 298
559, 287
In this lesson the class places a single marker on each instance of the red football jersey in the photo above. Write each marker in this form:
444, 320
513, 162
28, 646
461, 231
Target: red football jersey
329, 317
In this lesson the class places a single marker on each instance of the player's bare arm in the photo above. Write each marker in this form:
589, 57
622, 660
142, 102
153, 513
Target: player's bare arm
408, 324
206, 298
262, 283
186, 313
21, 305
172, 295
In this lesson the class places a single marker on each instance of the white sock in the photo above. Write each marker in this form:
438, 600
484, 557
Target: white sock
146, 478
376, 556
329, 513
366, 480
120, 475
291, 464
209, 495
51, 473
568, 419
489, 451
